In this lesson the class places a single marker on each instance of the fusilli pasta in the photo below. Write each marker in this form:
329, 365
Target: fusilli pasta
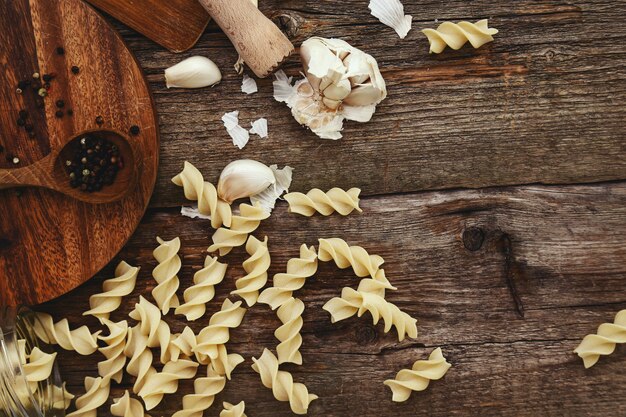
151, 325
196, 189
361, 300
103, 304
166, 381
290, 314
281, 383
256, 267
62, 397
284, 284
233, 410
126, 406
182, 344
97, 393
246, 222
419, 376
203, 289
325, 203
604, 341
38, 367
165, 274
225, 362
217, 332
113, 367
204, 391
140, 358
80, 340
455, 35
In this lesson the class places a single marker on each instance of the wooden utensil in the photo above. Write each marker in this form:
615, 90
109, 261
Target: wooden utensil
174, 24
50, 172
51, 242
258, 40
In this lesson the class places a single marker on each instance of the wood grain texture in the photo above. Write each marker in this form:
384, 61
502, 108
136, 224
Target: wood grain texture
173, 24
565, 260
72, 240
507, 280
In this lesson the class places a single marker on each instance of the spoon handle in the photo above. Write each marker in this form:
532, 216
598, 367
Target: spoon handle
260, 43
32, 175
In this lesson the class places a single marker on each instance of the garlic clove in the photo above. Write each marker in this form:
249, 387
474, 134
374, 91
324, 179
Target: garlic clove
359, 113
244, 178
193, 72
364, 95
330, 103
338, 91
267, 198
358, 68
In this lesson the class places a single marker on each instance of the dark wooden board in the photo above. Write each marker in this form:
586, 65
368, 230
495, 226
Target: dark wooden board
567, 246
71, 240
544, 103
174, 24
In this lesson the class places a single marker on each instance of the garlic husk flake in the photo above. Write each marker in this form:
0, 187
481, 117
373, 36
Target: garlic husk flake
193, 213
391, 13
248, 85
238, 134
259, 127
267, 198
193, 72
244, 178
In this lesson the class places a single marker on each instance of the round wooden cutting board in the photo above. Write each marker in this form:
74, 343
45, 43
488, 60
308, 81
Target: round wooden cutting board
50, 243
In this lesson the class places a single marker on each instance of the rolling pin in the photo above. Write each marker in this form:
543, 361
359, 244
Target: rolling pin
258, 40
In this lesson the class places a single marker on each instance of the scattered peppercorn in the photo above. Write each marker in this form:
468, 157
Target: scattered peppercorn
29, 127
60, 50
58, 114
70, 112
42, 92
23, 84
75, 69
60, 103
1, 148
48, 77
35, 75
23, 114
21, 122
91, 168
18, 90
99, 120
16, 160
46, 86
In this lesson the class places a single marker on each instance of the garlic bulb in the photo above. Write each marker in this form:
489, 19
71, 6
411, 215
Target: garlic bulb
244, 178
193, 72
342, 82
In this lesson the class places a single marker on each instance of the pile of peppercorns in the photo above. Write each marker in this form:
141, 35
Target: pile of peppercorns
95, 164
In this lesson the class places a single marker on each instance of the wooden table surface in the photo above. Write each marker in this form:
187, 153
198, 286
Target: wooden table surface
494, 185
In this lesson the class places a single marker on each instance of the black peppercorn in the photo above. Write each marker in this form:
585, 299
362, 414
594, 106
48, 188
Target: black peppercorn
70, 112
47, 77
60, 50
75, 69
1, 148
21, 122
60, 103
46, 86
58, 114
29, 127
99, 120
23, 114
23, 84
134, 130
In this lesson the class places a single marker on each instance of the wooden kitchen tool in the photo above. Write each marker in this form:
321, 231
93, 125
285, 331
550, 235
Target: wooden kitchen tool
174, 24
50, 242
50, 172
258, 40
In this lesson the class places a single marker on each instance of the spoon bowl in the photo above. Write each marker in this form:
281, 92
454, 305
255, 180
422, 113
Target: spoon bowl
51, 172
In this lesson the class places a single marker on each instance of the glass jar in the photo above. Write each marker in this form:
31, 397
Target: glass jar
18, 396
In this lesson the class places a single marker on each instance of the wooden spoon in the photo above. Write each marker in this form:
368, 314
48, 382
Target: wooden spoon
261, 45
50, 172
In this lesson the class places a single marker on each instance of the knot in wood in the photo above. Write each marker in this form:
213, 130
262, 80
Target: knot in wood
289, 23
365, 335
473, 238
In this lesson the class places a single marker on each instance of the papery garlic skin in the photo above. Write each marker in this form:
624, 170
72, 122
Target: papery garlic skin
193, 72
244, 178
342, 82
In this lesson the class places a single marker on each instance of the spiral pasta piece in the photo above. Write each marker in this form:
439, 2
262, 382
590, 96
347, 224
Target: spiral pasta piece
604, 341
361, 300
103, 304
233, 410
152, 326
97, 393
418, 377
38, 367
203, 289
196, 189
290, 314
325, 203
363, 264
284, 284
62, 397
256, 267
281, 383
218, 331
455, 35
80, 339
126, 406
204, 391
225, 362
166, 381
140, 358
246, 222
113, 367
182, 343
165, 274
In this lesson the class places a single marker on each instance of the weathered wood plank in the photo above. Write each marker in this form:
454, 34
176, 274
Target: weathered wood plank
544, 103
566, 251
